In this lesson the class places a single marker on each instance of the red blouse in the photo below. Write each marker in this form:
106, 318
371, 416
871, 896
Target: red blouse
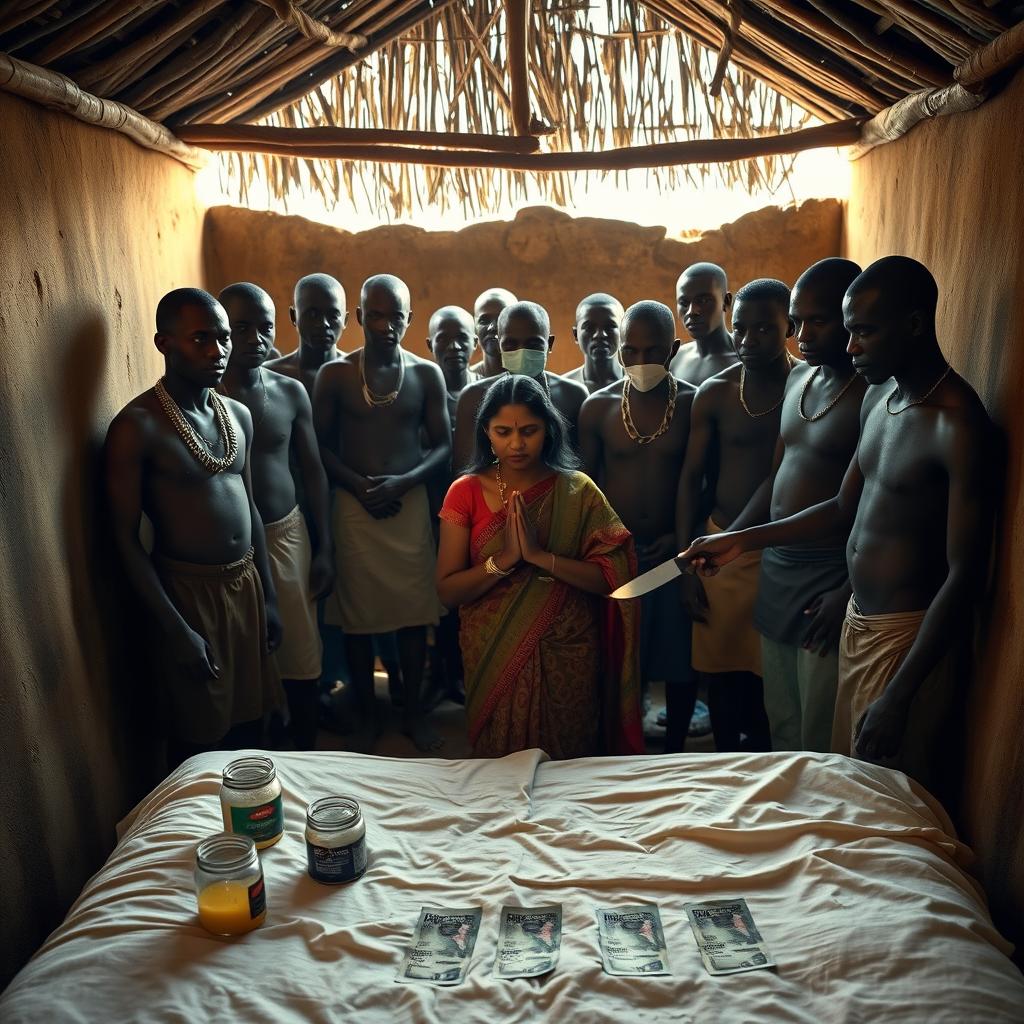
466, 506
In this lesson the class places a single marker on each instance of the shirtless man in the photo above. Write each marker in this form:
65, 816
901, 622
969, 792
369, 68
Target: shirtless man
370, 409
451, 340
703, 300
319, 315
598, 319
487, 309
916, 502
633, 437
524, 337
733, 430
181, 454
282, 421
803, 592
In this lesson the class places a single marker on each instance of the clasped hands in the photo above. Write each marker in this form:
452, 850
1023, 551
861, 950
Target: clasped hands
381, 495
520, 542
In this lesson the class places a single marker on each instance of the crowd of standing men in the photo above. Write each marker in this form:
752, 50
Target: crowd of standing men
294, 502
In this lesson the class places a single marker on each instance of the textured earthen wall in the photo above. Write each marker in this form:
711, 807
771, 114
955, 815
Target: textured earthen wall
950, 195
94, 229
542, 255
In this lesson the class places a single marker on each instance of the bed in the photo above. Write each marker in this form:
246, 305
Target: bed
852, 873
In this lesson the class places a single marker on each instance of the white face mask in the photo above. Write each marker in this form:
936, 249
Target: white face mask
646, 376
525, 361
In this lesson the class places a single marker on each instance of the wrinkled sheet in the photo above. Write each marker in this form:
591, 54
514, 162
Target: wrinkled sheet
851, 871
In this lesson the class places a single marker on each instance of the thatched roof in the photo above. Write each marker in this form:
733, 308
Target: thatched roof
601, 73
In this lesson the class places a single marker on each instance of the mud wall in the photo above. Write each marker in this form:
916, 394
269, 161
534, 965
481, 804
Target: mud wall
949, 194
94, 230
542, 255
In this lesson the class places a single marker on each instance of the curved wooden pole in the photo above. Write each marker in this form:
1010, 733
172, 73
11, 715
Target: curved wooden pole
667, 154
214, 136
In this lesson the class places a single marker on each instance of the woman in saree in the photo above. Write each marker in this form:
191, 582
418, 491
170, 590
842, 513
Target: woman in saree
529, 550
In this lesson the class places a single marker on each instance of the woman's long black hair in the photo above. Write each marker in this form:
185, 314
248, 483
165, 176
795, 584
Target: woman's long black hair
516, 389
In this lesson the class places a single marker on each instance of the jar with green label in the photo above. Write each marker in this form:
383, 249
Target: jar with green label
250, 800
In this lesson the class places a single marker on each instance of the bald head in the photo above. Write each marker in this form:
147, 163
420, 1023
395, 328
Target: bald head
493, 296
525, 311
322, 283
385, 311
451, 315
709, 270
598, 299
386, 284
251, 314
703, 299
656, 316
169, 308
828, 278
901, 284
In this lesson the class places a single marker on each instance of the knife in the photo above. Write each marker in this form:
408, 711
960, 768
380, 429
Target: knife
648, 581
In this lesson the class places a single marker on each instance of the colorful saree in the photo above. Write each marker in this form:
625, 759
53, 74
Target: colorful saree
547, 665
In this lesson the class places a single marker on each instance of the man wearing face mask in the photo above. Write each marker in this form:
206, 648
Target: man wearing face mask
598, 319
633, 436
524, 338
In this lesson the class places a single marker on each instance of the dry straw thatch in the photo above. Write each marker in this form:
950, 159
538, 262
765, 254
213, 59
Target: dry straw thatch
635, 82
602, 75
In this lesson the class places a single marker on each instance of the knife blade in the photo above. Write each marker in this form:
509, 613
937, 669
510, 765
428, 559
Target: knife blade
648, 581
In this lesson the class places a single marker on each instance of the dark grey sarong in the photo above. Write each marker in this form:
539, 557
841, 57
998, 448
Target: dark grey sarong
791, 578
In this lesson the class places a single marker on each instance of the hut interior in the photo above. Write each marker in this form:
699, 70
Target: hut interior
108, 109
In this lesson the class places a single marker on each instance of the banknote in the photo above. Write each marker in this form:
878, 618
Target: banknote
442, 946
632, 940
727, 937
529, 941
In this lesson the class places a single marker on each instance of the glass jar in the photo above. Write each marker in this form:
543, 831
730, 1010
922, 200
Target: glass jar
335, 840
230, 892
250, 800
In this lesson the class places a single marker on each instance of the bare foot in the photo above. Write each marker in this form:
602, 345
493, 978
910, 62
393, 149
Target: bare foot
422, 735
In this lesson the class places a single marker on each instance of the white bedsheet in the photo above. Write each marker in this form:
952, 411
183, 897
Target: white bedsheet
851, 872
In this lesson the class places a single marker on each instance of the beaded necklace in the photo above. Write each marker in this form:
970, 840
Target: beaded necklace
197, 445
369, 397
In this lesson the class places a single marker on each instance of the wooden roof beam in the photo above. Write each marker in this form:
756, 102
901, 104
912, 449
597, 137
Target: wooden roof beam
517, 39
666, 154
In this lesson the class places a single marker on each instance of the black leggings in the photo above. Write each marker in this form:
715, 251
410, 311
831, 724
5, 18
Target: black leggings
738, 718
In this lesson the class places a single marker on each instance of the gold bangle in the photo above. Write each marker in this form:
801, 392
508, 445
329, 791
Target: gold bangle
493, 569
552, 563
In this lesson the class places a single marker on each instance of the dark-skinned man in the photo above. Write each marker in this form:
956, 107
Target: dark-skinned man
703, 300
633, 436
372, 411
486, 310
181, 454
917, 505
319, 315
733, 430
451, 340
282, 422
524, 336
803, 592
598, 321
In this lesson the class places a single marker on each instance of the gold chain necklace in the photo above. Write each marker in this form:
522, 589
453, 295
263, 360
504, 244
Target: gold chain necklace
501, 491
369, 397
666, 420
257, 420
916, 401
803, 391
191, 437
743, 380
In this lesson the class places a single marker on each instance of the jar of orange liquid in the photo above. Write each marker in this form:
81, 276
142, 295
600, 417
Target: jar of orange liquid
230, 891
250, 800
